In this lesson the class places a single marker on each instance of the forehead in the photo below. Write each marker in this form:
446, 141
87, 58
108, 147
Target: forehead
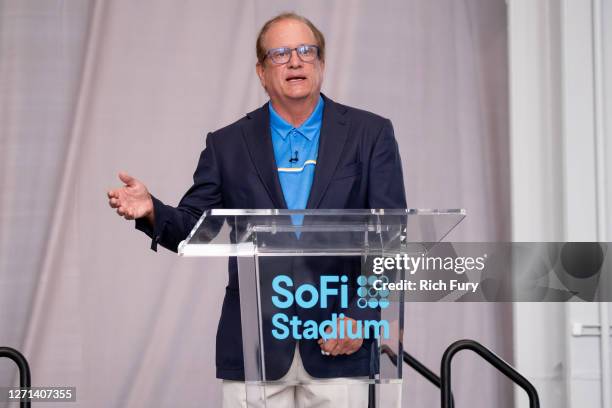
288, 33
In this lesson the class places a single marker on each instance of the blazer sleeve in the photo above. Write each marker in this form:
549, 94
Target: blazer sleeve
385, 190
386, 180
173, 224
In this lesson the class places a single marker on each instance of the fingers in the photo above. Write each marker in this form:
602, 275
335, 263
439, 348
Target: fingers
117, 198
344, 346
114, 199
352, 346
340, 346
122, 210
126, 213
126, 178
327, 345
336, 347
114, 203
330, 346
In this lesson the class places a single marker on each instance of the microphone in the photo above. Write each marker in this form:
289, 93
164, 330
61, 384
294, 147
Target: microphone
294, 159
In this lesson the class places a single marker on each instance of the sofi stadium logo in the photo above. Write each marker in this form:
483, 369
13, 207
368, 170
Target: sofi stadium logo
331, 288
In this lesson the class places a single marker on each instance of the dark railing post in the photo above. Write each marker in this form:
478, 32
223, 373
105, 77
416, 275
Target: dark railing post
25, 380
374, 364
492, 359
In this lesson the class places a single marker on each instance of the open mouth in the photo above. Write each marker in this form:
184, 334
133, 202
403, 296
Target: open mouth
295, 78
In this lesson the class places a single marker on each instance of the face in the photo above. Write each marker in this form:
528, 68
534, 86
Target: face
295, 80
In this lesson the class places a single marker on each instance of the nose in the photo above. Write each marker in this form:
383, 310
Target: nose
294, 60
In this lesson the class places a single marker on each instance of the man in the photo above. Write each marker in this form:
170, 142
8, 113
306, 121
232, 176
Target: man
300, 150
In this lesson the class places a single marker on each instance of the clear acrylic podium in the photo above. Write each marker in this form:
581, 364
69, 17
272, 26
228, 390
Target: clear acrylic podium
295, 250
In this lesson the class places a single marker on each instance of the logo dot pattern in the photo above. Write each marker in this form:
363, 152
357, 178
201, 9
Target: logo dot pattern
369, 296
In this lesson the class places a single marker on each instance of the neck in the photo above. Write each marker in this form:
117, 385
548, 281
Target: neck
296, 111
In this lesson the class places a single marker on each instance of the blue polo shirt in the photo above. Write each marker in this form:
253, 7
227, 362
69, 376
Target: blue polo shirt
295, 151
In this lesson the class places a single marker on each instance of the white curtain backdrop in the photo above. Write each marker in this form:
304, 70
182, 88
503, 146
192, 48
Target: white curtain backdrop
88, 88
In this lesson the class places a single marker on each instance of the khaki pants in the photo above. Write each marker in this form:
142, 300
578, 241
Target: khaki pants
311, 392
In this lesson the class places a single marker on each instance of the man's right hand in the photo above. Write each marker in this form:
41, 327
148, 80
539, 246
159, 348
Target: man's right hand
132, 200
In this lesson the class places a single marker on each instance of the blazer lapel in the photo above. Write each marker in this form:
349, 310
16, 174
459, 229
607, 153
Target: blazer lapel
256, 134
334, 132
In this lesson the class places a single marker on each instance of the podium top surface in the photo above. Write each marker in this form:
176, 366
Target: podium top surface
282, 232
329, 212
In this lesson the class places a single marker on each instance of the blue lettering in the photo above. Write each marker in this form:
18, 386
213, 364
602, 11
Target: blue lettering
276, 286
327, 291
314, 296
277, 321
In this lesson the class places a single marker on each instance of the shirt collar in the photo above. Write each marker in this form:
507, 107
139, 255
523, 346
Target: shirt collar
307, 129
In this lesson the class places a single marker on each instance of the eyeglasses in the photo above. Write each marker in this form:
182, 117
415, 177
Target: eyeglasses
307, 53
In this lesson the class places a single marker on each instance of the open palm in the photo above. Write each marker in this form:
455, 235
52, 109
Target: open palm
132, 200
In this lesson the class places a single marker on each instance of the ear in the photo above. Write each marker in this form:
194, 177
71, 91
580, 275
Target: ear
259, 68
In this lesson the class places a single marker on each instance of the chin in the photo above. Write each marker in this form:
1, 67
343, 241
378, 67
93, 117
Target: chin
297, 95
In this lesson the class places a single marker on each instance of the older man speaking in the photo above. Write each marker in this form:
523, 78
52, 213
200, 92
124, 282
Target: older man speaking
300, 150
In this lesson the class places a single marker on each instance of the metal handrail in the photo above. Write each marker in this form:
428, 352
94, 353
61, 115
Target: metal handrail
417, 366
491, 358
25, 379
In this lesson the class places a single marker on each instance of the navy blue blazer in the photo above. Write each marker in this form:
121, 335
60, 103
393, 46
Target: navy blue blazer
358, 166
